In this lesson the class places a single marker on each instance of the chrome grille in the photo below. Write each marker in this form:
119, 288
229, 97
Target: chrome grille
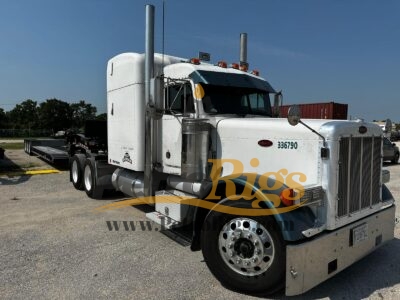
359, 174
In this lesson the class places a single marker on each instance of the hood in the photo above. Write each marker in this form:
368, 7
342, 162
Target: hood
288, 152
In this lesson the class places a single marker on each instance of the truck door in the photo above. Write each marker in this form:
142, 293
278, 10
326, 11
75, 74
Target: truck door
178, 104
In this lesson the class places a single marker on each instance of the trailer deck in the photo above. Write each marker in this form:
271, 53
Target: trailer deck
51, 150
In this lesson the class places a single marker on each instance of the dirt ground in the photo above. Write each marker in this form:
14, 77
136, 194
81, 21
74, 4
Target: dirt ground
54, 246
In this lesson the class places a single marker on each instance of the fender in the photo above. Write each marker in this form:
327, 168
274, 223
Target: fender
386, 194
291, 223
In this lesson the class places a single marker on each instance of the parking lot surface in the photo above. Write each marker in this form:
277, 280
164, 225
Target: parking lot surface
53, 244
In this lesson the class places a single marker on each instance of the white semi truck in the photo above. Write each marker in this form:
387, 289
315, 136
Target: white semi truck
271, 205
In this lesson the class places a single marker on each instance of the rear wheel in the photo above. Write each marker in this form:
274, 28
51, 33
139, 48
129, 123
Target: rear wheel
244, 253
89, 181
76, 170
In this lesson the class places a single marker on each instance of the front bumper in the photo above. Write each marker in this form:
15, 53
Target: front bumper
310, 263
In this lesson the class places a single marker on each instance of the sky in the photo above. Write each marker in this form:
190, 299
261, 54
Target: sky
344, 51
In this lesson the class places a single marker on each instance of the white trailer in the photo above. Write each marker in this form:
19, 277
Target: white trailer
271, 205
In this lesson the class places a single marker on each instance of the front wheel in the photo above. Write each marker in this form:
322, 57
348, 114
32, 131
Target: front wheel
246, 254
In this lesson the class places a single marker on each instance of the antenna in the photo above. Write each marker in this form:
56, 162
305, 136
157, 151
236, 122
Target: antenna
163, 34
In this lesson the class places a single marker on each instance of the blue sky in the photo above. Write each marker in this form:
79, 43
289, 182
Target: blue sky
314, 50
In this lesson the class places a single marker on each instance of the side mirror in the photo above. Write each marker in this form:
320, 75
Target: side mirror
278, 99
294, 115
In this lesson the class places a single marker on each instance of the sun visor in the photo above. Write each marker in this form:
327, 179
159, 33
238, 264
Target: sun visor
230, 79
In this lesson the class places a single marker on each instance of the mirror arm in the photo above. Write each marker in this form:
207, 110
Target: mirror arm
317, 133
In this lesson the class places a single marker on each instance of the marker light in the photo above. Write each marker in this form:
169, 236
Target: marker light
244, 68
222, 64
235, 66
195, 61
255, 72
286, 196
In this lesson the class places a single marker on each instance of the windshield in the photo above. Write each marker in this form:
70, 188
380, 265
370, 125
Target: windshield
235, 100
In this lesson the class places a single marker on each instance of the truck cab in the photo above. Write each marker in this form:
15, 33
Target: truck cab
270, 203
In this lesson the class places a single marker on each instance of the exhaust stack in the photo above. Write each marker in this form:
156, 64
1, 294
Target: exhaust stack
243, 49
149, 74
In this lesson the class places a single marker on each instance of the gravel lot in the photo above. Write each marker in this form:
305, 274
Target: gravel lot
53, 245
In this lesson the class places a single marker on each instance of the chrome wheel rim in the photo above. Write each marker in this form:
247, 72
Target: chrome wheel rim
246, 246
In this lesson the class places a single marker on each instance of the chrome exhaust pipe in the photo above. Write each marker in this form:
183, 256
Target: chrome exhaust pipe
243, 49
149, 126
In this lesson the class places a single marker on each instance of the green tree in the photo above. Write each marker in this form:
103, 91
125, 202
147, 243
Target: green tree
102, 117
24, 115
55, 115
3, 119
81, 112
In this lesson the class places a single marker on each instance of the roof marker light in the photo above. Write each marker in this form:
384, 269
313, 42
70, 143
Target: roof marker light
255, 72
244, 68
235, 66
195, 61
222, 64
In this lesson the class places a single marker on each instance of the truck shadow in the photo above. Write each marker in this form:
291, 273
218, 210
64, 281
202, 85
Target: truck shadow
13, 180
10, 172
377, 271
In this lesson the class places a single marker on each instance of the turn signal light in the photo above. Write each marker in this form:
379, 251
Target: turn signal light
286, 197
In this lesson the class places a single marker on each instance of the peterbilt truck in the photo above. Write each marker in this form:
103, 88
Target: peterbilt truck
271, 204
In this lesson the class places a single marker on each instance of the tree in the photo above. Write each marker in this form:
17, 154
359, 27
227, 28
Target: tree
55, 115
81, 112
24, 115
102, 117
3, 119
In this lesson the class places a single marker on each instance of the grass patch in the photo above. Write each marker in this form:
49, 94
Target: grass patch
12, 146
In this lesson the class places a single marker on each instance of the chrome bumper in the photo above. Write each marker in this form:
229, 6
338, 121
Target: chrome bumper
310, 263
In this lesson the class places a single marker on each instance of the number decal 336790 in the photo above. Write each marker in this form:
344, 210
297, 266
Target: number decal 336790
287, 145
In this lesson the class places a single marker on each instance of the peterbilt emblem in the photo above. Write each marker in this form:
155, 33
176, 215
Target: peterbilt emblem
127, 158
362, 129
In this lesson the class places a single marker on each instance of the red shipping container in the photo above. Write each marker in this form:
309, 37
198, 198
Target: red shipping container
327, 110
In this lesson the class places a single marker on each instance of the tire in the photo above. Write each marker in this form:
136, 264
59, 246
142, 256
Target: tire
89, 181
76, 170
253, 262
395, 160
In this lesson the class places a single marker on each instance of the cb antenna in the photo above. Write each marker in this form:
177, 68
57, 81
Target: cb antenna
163, 34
